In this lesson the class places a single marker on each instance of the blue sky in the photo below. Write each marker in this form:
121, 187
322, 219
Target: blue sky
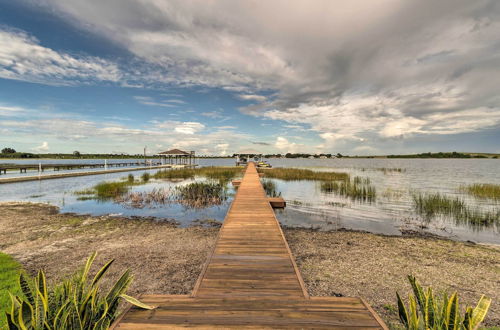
223, 77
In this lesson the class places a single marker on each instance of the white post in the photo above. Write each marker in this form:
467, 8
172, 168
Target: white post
39, 169
105, 164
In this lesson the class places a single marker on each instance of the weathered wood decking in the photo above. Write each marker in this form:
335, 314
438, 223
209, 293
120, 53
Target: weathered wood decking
250, 281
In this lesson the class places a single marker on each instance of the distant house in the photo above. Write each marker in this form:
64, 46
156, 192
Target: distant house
177, 156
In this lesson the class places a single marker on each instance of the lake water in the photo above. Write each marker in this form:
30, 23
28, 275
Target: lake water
307, 206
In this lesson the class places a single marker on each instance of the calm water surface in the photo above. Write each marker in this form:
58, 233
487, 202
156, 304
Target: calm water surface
391, 213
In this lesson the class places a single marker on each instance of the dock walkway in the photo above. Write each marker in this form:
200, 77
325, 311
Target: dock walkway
250, 280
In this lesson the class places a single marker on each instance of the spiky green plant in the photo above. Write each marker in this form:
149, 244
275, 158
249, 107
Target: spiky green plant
425, 311
76, 303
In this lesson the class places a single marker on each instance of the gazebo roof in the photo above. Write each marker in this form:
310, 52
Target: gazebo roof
174, 152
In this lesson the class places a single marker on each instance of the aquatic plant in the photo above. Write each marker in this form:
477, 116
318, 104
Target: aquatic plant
426, 311
147, 198
357, 189
76, 303
297, 174
106, 190
221, 173
201, 194
483, 190
270, 188
433, 204
130, 178
145, 177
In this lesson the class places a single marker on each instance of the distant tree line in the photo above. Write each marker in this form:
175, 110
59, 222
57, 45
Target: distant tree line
453, 154
295, 155
12, 153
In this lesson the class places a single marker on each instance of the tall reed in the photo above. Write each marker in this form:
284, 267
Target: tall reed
433, 204
223, 174
270, 188
483, 190
358, 189
297, 174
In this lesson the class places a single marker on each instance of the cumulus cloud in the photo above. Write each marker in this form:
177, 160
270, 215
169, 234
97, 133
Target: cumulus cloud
43, 147
284, 145
23, 58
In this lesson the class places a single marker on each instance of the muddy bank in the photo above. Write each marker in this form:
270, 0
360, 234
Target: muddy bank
375, 267
162, 257
167, 260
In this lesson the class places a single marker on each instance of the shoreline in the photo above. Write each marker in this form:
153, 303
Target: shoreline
167, 259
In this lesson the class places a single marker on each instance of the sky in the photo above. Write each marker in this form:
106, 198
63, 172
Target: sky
222, 76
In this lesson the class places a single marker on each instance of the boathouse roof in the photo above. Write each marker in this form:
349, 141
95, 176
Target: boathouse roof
175, 152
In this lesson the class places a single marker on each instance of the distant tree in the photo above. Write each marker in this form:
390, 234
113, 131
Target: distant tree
8, 151
339, 155
76, 153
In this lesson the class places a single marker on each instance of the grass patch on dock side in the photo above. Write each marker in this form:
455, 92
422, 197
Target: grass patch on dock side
357, 189
483, 190
270, 188
9, 282
297, 174
433, 204
221, 173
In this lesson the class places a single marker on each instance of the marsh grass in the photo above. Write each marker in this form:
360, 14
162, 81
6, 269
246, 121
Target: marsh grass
270, 188
145, 177
297, 174
194, 195
357, 189
111, 190
433, 204
201, 194
221, 173
483, 190
106, 190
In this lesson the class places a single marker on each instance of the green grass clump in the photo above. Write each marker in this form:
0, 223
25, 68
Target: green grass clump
270, 188
9, 275
106, 190
145, 176
297, 174
201, 194
223, 174
483, 190
358, 189
433, 204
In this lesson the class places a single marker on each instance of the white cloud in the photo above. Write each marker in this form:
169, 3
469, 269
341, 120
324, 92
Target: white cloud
189, 128
284, 145
23, 58
252, 97
9, 111
148, 100
41, 148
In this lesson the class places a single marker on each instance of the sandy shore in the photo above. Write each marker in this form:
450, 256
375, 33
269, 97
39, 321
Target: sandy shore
166, 259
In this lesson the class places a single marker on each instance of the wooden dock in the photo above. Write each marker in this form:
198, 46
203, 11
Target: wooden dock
23, 168
84, 173
250, 281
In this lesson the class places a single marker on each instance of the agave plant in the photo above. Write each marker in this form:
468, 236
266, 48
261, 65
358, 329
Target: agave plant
425, 311
76, 303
